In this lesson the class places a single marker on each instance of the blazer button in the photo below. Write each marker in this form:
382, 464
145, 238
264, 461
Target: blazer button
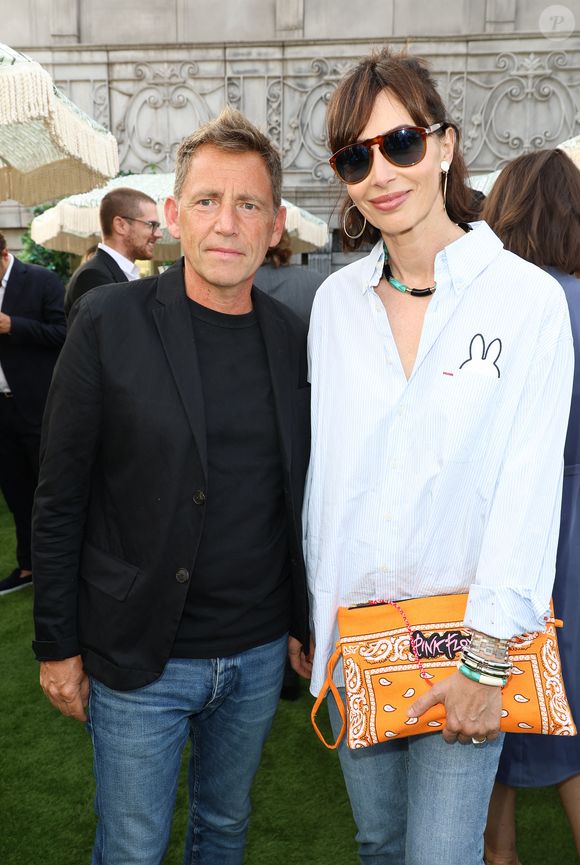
199, 497
182, 575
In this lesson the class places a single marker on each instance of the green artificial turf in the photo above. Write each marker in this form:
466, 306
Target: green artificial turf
301, 814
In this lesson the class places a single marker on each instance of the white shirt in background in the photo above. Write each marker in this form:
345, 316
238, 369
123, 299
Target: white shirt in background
4, 386
128, 267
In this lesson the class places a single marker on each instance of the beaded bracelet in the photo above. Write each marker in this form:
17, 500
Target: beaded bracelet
481, 678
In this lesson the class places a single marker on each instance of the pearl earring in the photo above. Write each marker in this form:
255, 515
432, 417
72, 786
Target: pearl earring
445, 166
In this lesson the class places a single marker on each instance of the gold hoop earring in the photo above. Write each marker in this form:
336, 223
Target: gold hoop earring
445, 169
361, 232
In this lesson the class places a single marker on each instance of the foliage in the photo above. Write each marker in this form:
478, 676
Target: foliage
63, 263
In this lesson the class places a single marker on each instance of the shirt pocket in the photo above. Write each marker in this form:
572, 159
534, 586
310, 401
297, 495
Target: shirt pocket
466, 407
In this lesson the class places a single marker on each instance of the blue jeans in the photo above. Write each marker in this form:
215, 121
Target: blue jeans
419, 801
226, 707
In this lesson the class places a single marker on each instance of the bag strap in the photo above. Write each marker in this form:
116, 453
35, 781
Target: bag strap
330, 686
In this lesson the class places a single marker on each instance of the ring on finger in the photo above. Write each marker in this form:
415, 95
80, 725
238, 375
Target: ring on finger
479, 741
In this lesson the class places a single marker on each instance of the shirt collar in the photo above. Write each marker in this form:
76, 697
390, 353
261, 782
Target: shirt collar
8, 269
466, 258
127, 266
463, 260
372, 267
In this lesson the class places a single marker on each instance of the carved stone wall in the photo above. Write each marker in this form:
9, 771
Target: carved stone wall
507, 96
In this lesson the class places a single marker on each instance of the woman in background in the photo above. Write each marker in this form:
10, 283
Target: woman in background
534, 207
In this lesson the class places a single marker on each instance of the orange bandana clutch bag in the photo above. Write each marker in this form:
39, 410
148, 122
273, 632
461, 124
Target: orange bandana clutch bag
393, 652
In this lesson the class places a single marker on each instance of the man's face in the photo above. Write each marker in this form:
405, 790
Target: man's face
140, 240
225, 219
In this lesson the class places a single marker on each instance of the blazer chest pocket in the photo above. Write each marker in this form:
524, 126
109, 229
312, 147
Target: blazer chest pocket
106, 572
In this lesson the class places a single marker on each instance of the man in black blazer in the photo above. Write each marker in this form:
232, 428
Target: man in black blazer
130, 230
32, 331
169, 577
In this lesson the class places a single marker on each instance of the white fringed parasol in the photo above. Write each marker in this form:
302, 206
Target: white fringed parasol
72, 225
48, 146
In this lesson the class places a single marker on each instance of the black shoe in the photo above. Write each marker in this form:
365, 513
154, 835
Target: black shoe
14, 581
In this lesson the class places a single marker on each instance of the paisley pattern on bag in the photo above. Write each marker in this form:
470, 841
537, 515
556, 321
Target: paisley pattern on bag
382, 676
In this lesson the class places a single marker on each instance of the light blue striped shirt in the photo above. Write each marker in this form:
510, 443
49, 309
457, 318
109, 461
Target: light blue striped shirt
450, 481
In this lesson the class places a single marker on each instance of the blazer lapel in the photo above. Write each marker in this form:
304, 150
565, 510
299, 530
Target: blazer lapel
173, 321
110, 266
14, 285
275, 335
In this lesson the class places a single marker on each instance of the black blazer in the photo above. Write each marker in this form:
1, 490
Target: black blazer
119, 511
101, 269
33, 299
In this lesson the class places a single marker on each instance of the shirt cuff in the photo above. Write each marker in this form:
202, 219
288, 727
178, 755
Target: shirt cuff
52, 651
505, 612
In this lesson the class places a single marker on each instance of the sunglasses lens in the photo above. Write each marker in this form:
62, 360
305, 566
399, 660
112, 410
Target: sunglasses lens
352, 164
404, 147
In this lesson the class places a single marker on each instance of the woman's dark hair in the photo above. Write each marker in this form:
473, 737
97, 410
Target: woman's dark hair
351, 105
280, 255
534, 208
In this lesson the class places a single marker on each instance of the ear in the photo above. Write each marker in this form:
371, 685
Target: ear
171, 209
278, 229
448, 144
119, 226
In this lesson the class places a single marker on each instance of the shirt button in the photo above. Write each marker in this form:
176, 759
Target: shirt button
182, 575
388, 517
395, 464
384, 569
199, 497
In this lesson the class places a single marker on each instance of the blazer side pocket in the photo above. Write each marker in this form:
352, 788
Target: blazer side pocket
106, 572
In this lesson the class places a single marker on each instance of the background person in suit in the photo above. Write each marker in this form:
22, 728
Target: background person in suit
130, 230
167, 552
292, 284
32, 331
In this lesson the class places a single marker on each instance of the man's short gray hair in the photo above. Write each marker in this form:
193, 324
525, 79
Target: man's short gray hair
231, 132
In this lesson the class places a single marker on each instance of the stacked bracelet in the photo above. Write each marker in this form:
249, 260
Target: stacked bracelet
485, 660
489, 648
483, 665
482, 678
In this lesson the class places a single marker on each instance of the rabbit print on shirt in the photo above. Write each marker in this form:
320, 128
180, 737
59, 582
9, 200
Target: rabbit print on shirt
481, 360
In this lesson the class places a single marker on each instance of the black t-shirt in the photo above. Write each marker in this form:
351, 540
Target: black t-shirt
239, 594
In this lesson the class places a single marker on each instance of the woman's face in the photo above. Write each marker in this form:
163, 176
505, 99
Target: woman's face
397, 200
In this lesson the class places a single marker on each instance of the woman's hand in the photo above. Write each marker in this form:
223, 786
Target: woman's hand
473, 711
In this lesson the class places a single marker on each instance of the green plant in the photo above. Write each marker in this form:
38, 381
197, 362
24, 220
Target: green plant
61, 262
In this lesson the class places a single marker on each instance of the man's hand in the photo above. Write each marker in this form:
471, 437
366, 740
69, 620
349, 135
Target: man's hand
300, 663
66, 685
473, 711
5, 323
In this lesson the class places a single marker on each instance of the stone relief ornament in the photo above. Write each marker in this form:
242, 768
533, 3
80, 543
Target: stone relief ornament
505, 104
530, 104
161, 110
